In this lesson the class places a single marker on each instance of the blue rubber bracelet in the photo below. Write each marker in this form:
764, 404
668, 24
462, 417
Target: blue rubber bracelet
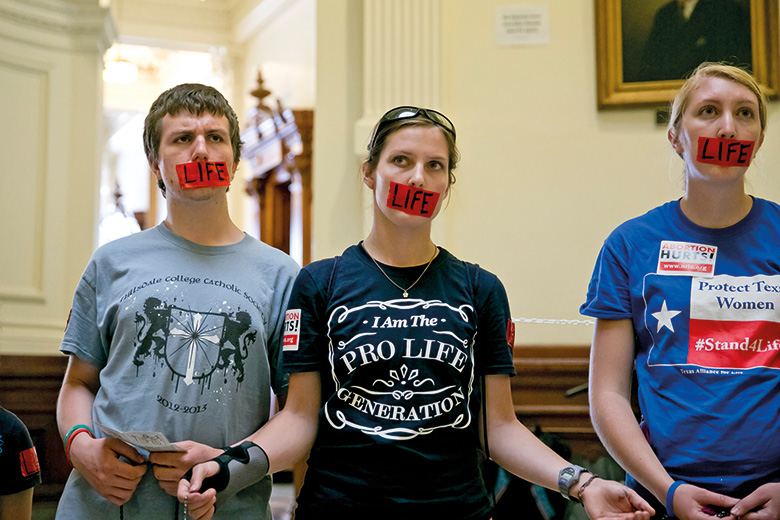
670, 497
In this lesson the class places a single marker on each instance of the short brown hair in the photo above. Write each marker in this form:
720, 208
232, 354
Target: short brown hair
195, 99
383, 130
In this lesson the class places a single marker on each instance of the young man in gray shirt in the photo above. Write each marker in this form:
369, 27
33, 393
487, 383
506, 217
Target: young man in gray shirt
176, 329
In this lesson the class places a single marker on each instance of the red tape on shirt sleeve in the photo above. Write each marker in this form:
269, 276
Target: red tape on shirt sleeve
28, 462
510, 333
725, 152
201, 174
411, 200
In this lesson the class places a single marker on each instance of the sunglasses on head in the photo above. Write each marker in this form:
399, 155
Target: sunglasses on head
408, 112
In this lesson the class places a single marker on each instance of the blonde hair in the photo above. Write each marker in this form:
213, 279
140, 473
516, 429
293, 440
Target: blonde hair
714, 70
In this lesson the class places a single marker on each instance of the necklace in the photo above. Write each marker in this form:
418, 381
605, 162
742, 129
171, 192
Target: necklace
405, 291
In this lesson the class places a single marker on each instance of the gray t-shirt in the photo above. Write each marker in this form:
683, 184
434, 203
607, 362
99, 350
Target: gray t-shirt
187, 339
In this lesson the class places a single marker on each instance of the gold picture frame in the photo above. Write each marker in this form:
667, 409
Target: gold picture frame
614, 93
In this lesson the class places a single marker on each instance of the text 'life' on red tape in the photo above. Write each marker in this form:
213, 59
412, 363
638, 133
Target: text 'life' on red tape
203, 174
411, 200
725, 152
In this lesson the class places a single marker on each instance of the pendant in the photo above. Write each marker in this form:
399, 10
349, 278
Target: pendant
406, 294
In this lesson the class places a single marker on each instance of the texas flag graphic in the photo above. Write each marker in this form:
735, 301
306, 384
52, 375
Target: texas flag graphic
718, 322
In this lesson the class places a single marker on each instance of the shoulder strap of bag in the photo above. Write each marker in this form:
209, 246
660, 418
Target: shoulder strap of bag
332, 278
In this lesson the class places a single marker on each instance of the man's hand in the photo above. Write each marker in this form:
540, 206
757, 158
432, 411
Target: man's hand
98, 461
170, 466
200, 505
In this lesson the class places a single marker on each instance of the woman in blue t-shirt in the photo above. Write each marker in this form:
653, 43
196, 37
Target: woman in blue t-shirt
687, 294
396, 349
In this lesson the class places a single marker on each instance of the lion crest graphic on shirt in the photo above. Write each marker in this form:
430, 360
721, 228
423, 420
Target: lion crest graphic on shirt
194, 345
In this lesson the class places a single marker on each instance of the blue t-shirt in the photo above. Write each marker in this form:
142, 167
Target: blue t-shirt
705, 305
398, 431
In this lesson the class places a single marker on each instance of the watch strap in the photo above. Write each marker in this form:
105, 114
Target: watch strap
567, 477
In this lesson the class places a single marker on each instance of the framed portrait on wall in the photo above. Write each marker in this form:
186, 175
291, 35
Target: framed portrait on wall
645, 48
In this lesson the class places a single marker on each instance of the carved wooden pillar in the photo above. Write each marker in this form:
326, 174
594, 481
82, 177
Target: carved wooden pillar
277, 147
273, 195
304, 119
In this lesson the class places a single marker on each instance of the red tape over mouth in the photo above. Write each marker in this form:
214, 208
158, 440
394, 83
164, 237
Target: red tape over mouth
725, 152
411, 200
201, 174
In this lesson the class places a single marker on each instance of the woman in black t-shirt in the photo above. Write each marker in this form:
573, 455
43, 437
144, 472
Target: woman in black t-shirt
400, 356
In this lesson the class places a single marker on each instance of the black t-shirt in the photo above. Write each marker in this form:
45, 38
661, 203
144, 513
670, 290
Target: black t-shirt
19, 469
398, 431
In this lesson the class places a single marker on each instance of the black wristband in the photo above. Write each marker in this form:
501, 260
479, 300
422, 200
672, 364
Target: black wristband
239, 467
221, 478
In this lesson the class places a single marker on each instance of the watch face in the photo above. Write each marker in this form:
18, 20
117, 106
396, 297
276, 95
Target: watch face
567, 477
566, 474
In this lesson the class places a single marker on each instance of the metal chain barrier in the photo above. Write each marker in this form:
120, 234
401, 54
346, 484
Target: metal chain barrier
544, 321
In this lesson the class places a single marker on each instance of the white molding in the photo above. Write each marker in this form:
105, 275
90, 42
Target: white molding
176, 45
32, 290
263, 13
23, 295
37, 339
402, 60
192, 21
58, 24
22, 327
27, 337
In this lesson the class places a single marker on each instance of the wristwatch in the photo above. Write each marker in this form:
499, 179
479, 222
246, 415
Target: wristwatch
567, 477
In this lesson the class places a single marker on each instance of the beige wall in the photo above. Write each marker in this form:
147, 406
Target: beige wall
337, 211
544, 176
